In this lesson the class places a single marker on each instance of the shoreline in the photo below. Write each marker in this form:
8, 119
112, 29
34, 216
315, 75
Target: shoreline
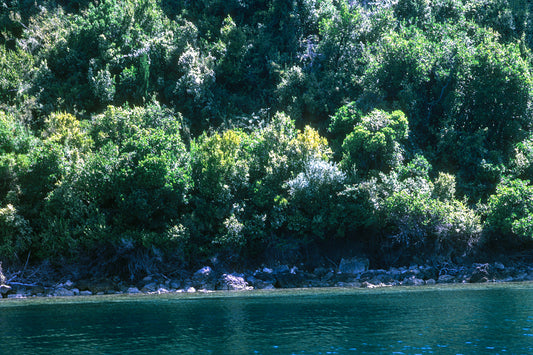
351, 273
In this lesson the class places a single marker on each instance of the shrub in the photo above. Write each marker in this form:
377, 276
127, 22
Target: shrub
374, 144
313, 210
15, 234
510, 210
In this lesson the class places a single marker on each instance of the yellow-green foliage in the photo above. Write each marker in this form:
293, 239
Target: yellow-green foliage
15, 234
375, 143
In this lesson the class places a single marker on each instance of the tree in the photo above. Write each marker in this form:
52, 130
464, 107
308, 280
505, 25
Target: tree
375, 143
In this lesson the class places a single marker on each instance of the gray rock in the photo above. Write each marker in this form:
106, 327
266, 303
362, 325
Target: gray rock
190, 290
68, 285
356, 284
151, 287
445, 279
499, 266
16, 295
75, 291
367, 284
63, 292
267, 270
480, 274
353, 266
204, 279
268, 286
175, 284
100, 286
36, 290
203, 273
288, 280
231, 282
321, 271
282, 269
413, 281
4, 289
162, 290
133, 290
86, 293
430, 282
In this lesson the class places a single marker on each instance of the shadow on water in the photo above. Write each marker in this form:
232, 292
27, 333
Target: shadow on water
457, 319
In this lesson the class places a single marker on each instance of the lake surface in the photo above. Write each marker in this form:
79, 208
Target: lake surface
465, 319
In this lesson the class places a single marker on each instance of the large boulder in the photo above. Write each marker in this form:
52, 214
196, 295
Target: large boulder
231, 282
480, 274
97, 286
353, 266
63, 292
204, 279
290, 280
4, 290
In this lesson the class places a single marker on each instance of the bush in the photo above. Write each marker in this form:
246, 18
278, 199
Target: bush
510, 210
313, 209
375, 144
15, 234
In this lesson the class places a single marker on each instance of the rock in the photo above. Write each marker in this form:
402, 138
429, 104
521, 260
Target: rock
428, 272
445, 279
83, 285
413, 281
353, 266
16, 295
162, 290
267, 277
36, 290
430, 282
190, 290
4, 290
203, 273
367, 284
204, 278
321, 271
151, 287
480, 274
175, 284
230, 282
264, 285
63, 292
101, 286
86, 293
269, 287
147, 279
267, 270
75, 291
288, 280
329, 276
499, 266
68, 285
281, 269
356, 284
133, 290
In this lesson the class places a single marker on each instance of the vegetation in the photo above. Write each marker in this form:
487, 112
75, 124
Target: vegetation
260, 130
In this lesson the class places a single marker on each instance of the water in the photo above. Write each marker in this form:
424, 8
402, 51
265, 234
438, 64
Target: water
462, 319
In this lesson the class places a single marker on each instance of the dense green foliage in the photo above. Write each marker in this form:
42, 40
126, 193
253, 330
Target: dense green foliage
194, 129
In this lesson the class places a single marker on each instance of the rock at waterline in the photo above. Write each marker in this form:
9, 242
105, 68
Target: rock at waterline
204, 279
230, 282
4, 290
63, 292
133, 290
353, 266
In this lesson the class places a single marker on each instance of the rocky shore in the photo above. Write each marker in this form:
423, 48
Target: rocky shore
352, 272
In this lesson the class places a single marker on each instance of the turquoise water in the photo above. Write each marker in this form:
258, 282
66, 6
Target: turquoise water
442, 320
